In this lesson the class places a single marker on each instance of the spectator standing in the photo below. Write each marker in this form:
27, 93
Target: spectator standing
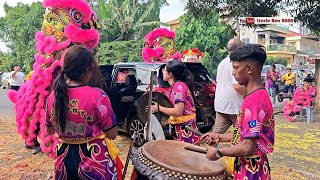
289, 81
271, 79
229, 94
16, 78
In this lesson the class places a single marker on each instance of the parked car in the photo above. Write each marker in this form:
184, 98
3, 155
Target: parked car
307, 72
313, 71
5, 80
131, 80
299, 76
1, 78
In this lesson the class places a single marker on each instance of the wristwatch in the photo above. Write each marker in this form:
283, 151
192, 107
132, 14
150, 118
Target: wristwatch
217, 153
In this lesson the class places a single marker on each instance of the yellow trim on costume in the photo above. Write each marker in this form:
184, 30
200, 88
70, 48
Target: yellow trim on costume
254, 156
181, 119
29, 75
229, 163
112, 148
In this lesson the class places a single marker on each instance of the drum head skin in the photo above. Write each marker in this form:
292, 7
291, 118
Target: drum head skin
156, 97
165, 159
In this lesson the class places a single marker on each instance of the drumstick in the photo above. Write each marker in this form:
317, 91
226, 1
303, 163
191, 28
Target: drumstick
189, 128
196, 149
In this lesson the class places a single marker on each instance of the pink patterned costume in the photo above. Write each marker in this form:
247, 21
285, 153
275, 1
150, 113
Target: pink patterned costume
66, 22
181, 93
90, 115
255, 120
302, 97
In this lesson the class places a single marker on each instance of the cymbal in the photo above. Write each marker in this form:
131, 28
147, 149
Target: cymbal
158, 97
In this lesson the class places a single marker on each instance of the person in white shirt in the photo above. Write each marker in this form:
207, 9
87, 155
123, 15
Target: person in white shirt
229, 94
16, 78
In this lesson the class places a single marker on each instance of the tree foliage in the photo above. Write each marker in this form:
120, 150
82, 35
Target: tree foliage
124, 20
306, 12
206, 33
119, 51
17, 31
276, 60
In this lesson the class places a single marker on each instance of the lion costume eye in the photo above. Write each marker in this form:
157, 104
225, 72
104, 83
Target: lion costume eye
76, 16
93, 17
156, 40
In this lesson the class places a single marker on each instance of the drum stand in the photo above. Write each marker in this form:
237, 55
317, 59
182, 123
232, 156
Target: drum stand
149, 134
133, 139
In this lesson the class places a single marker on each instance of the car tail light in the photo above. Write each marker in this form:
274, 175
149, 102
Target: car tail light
212, 87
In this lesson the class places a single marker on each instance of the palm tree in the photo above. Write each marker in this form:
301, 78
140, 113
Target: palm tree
124, 20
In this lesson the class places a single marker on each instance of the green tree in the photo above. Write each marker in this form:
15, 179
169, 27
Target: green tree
206, 33
124, 20
277, 60
18, 32
119, 51
5, 62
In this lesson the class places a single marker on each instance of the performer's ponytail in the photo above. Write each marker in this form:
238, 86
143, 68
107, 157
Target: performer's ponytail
78, 60
61, 100
190, 83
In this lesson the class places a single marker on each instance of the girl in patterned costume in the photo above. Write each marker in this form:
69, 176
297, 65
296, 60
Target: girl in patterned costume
180, 94
84, 120
304, 96
253, 135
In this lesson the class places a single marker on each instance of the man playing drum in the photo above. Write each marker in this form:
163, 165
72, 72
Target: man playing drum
253, 136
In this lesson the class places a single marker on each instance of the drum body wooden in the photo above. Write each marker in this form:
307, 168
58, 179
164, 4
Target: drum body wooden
165, 159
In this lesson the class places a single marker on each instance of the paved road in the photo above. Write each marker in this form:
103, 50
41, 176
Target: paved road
278, 106
6, 107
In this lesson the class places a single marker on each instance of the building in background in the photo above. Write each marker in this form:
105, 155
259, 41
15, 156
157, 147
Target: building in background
174, 24
300, 49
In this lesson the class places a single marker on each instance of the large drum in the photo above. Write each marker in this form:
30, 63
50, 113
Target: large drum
168, 160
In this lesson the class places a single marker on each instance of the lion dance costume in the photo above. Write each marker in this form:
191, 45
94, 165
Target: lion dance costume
159, 46
302, 98
66, 22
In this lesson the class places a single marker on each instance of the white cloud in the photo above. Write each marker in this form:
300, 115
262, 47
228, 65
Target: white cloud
171, 2
171, 12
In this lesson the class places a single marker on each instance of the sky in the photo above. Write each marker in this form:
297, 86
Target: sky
167, 13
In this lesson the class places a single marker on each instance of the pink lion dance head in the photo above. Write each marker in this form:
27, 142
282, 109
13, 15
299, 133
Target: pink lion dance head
159, 46
304, 96
66, 22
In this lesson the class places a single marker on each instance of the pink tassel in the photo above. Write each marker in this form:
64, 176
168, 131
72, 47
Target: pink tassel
30, 100
12, 94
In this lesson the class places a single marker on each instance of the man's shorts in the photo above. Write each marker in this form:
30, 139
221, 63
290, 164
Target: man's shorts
289, 88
